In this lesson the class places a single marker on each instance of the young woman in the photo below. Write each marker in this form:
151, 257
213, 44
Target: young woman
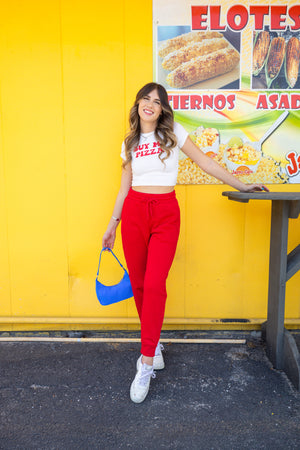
147, 204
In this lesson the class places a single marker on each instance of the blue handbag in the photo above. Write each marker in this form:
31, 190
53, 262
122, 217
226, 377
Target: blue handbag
108, 295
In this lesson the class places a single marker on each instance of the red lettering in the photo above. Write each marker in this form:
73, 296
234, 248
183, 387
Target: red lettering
294, 13
295, 101
148, 152
292, 168
184, 102
242, 13
262, 102
259, 13
242, 170
273, 100
220, 101
284, 102
209, 17
276, 20
231, 101
196, 101
156, 144
215, 13
278, 101
199, 22
175, 101
207, 100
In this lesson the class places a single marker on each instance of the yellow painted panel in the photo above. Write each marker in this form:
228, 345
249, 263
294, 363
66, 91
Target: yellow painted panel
94, 48
5, 300
34, 157
214, 253
256, 259
93, 80
138, 48
5, 296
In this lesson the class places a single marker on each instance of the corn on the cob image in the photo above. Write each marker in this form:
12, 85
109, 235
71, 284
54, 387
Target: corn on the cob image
275, 58
260, 51
184, 54
292, 58
203, 67
184, 39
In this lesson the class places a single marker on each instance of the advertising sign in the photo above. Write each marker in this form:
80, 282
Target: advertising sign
232, 75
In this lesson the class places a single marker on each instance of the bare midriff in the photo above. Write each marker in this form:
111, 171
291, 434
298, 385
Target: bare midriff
153, 189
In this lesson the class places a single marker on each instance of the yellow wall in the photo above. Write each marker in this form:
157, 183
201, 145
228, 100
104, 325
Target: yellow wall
69, 72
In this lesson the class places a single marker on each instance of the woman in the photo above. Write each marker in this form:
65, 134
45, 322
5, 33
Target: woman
150, 215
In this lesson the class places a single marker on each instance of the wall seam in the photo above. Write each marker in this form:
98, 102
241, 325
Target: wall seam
64, 151
245, 214
5, 201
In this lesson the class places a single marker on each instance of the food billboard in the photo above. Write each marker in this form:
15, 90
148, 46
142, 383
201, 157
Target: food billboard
231, 71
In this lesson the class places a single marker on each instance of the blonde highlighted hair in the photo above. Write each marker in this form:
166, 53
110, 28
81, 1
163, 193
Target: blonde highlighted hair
165, 124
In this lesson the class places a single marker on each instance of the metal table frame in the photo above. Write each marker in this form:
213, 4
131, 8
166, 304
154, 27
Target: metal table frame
281, 347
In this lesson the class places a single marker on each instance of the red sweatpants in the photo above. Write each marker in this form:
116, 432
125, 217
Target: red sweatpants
150, 230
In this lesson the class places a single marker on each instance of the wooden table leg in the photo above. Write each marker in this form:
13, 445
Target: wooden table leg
281, 347
277, 281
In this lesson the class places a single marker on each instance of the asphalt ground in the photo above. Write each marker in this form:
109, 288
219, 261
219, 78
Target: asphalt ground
209, 396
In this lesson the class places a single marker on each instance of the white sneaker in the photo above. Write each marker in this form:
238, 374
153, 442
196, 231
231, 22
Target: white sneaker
158, 360
141, 383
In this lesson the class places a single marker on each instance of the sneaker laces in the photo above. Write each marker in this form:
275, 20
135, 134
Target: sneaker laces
159, 348
145, 374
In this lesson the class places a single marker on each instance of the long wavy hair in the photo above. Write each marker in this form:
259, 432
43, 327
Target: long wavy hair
164, 129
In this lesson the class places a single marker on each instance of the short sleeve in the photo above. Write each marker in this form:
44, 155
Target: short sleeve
123, 154
181, 134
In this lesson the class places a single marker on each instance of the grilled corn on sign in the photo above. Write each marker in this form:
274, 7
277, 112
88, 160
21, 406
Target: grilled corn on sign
232, 75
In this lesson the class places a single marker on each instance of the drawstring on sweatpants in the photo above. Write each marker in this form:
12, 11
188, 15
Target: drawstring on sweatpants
150, 205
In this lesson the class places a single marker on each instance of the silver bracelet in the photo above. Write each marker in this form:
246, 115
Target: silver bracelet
115, 218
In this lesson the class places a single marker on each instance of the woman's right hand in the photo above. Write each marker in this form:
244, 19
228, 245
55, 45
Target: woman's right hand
108, 239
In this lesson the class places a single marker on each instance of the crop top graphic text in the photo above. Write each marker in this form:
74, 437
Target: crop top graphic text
146, 150
148, 167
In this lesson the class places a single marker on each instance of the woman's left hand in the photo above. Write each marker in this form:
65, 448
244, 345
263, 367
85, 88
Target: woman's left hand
255, 188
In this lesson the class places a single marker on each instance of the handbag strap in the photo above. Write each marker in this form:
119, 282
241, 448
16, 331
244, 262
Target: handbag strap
107, 248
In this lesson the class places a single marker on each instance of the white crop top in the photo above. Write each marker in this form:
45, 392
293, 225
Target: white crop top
147, 167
